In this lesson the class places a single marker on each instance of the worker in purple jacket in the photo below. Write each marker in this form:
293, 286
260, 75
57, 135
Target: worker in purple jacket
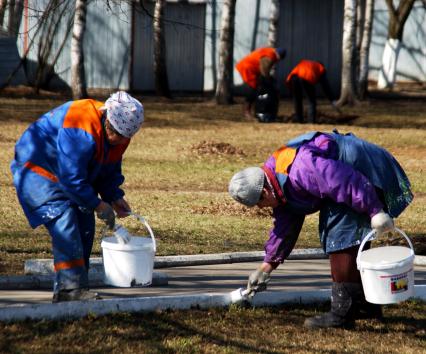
355, 185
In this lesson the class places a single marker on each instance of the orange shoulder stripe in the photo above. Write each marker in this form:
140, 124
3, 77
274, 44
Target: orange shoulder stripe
85, 115
284, 158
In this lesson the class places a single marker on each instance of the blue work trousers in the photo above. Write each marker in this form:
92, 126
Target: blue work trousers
72, 235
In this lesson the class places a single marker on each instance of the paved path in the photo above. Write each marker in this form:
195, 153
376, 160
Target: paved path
293, 276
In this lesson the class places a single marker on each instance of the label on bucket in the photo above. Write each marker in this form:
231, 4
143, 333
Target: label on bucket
398, 282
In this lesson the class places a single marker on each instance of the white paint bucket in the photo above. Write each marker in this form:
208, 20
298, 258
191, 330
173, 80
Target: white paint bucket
386, 272
129, 264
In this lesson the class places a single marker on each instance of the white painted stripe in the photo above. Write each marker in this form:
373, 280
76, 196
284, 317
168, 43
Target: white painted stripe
79, 309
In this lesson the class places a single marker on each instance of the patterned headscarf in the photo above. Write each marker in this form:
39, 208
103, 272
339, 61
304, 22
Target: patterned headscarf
125, 113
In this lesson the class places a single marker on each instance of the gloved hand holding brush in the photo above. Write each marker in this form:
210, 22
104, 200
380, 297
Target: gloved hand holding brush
258, 281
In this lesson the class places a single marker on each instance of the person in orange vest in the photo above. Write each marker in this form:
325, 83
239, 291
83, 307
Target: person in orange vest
256, 67
302, 79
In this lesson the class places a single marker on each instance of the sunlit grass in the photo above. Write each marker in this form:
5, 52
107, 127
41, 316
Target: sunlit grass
232, 330
183, 193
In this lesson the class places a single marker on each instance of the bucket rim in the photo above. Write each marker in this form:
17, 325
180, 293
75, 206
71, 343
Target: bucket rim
370, 235
148, 245
385, 266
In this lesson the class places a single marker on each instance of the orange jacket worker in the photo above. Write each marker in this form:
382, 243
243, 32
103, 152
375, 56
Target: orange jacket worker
256, 66
302, 79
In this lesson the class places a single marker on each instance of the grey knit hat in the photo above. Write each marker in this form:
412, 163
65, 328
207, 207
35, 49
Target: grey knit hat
246, 186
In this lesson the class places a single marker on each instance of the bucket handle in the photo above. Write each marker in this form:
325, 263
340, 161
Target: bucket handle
145, 223
371, 235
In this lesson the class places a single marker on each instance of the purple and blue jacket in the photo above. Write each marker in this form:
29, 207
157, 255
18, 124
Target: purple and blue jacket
319, 168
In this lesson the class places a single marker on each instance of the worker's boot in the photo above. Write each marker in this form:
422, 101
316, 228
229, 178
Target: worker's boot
344, 297
75, 295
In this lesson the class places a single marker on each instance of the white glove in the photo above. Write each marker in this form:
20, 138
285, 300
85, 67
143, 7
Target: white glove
257, 282
382, 222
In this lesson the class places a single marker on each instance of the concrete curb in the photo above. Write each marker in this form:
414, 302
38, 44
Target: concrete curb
78, 309
45, 266
45, 281
420, 260
39, 272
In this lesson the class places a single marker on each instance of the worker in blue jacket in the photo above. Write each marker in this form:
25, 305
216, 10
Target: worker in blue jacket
67, 166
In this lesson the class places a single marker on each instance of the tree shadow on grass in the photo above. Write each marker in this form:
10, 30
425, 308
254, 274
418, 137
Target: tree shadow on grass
164, 326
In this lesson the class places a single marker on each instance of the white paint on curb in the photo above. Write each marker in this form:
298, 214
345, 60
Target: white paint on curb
78, 309
420, 260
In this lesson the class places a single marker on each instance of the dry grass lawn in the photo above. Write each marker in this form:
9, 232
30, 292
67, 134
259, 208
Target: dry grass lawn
177, 170
233, 330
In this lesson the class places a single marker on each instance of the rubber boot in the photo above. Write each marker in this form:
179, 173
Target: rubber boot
343, 306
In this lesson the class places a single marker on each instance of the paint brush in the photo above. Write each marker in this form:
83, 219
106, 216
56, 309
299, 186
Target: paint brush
239, 296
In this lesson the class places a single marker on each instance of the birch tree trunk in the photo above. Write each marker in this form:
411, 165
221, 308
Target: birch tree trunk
397, 19
347, 93
256, 21
273, 24
360, 6
3, 4
17, 17
365, 49
226, 54
274, 17
11, 16
78, 77
360, 17
160, 67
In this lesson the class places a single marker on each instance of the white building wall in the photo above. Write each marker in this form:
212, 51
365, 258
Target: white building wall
107, 52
